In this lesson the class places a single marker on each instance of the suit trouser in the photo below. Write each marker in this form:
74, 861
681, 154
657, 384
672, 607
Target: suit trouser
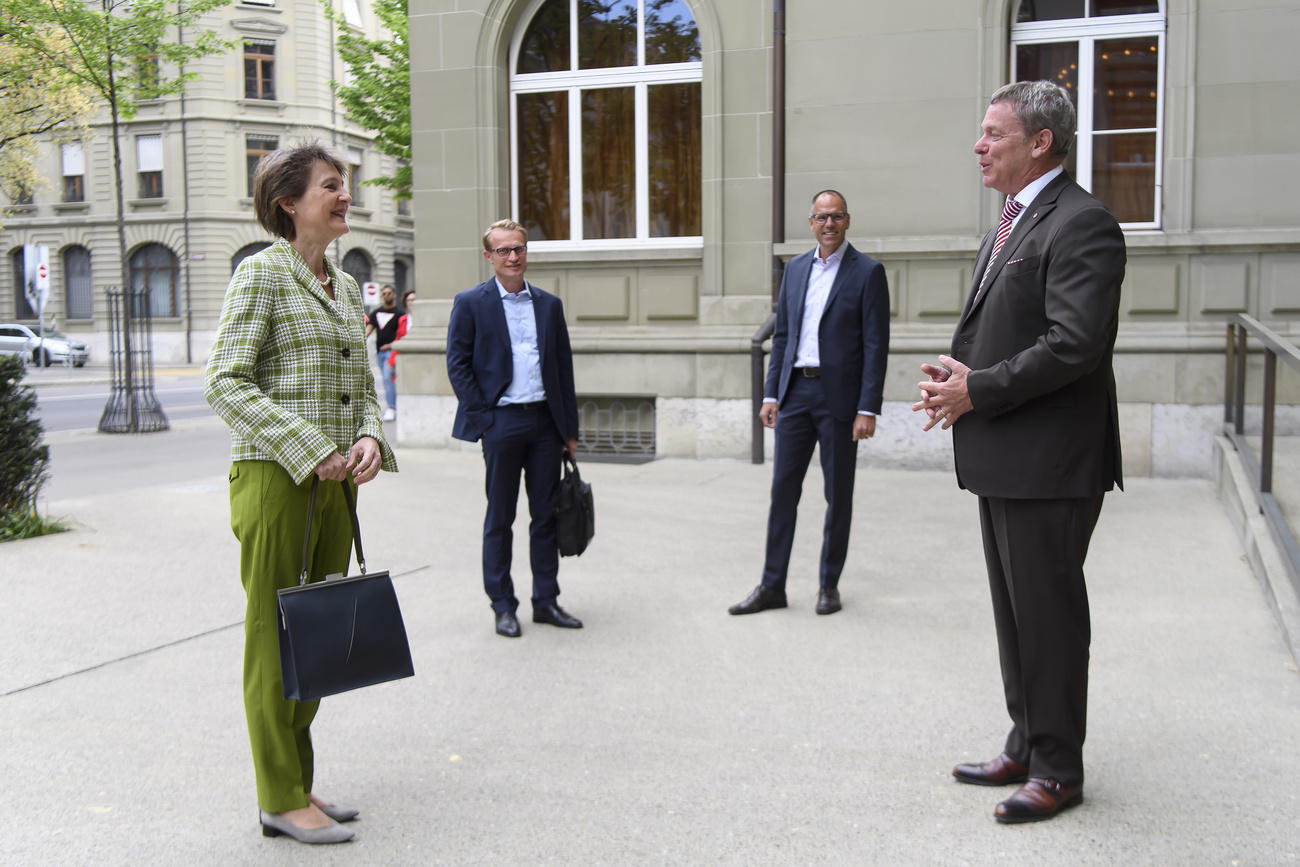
268, 514
803, 422
1034, 550
522, 438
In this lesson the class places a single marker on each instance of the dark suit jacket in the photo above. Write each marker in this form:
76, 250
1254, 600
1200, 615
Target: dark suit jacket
480, 367
1039, 341
853, 336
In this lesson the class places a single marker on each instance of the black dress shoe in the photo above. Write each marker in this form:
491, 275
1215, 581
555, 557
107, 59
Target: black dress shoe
1001, 771
828, 601
761, 599
556, 616
508, 624
1036, 800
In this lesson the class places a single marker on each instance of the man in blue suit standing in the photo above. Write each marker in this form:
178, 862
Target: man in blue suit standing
511, 366
824, 388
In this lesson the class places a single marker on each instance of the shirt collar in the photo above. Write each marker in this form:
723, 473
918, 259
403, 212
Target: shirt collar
1034, 187
503, 291
833, 257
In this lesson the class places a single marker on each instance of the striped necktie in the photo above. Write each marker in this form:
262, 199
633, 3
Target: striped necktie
1004, 229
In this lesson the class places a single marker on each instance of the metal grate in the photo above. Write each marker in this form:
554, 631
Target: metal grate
617, 428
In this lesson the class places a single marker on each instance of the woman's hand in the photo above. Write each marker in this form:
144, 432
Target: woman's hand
332, 469
364, 460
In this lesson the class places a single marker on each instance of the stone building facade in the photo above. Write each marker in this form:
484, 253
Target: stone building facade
186, 167
1190, 131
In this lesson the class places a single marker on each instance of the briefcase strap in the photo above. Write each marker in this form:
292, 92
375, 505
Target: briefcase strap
356, 528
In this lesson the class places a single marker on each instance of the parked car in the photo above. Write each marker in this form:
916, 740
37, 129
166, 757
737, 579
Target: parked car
18, 339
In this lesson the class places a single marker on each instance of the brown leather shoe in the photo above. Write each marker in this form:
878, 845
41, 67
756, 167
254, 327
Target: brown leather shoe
1037, 800
1001, 771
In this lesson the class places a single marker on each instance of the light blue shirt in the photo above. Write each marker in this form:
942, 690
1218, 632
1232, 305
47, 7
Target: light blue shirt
526, 361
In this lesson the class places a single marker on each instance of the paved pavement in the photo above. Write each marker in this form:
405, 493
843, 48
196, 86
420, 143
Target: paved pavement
665, 732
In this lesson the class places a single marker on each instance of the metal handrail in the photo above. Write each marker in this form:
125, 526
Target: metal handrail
1234, 420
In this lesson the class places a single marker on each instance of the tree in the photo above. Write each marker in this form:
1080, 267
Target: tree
36, 99
122, 50
377, 93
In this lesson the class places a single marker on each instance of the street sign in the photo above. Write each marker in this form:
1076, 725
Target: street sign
370, 294
36, 274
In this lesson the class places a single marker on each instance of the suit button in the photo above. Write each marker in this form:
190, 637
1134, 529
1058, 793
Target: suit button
347, 353
345, 400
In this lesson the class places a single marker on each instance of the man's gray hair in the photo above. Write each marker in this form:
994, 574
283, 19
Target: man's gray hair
817, 195
1041, 105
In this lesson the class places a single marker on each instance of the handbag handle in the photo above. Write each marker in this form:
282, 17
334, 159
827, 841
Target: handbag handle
356, 528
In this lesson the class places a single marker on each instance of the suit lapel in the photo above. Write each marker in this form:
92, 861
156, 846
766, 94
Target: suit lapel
303, 275
497, 313
1042, 205
848, 264
541, 309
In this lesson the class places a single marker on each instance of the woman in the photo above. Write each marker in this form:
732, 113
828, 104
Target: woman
408, 298
288, 373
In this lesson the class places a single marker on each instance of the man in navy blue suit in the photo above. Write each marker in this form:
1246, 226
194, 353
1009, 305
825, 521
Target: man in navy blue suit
511, 366
824, 388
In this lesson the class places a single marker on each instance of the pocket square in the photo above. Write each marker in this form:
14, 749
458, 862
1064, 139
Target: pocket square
1014, 261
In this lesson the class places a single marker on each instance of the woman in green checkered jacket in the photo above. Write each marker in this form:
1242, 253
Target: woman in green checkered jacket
288, 373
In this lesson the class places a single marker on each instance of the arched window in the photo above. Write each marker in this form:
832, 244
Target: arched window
244, 252
400, 272
357, 263
22, 310
1110, 55
605, 122
155, 268
78, 286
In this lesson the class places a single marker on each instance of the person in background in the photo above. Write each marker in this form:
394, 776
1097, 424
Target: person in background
388, 322
408, 299
288, 374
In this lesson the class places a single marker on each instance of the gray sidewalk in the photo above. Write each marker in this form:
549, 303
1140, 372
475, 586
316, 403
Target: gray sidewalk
665, 732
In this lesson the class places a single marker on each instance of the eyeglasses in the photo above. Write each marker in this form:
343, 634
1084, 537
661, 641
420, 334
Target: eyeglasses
823, 219
505, 252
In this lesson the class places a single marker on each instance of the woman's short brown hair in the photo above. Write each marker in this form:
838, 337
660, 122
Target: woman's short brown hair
284, 174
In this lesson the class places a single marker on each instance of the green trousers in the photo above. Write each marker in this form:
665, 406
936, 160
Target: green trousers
268, 514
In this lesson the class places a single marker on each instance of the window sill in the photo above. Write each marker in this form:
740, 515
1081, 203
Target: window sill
547, 252
21, 210
158, 203
268, 104
359, 211
71, 207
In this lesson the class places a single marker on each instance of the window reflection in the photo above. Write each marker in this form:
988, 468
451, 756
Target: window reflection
606, 33
670, 32
608, 164
675, 172
543, 122
1126, 79
545, 47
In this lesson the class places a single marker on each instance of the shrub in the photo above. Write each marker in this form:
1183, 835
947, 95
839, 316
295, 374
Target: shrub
24, 459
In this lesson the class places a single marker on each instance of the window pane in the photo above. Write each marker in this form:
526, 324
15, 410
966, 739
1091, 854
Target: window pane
545, 47
22, 310
357, 264
606, 33
543, 148
1125, 93
1049, 10
1124, 175
76, 271
74, 160
608, 164
675, 174
148, 153
1122, 7
670, 32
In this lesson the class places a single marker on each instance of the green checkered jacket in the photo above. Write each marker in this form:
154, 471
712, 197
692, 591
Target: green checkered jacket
288, 371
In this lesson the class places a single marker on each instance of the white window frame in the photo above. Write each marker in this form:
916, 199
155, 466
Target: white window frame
1085, 32
574, 81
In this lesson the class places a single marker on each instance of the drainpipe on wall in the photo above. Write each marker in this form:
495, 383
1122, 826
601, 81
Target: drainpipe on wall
185, 215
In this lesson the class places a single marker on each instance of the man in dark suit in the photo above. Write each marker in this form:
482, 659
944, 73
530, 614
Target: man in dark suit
824, 388
1030, 395
511, 366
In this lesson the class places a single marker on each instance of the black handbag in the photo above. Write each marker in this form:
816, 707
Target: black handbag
341, 633
575, 512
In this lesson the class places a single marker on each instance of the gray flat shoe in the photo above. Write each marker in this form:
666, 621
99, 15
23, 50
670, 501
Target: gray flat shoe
274, 824
337, 813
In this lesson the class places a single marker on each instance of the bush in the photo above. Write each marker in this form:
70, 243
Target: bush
24, 459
